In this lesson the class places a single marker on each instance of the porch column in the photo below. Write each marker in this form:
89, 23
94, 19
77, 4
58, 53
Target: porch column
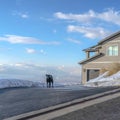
97, 52
87, 54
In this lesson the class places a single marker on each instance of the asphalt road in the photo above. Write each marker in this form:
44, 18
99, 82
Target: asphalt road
16, 101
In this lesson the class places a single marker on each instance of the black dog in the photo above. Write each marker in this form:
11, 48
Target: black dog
49, 81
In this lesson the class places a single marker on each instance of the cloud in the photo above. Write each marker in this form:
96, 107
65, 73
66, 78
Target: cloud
74, 41
33, 51
27, 71
18, 65
91, 24
21, 14
15, 39
110, 15
76, 17
30, 50
88, 32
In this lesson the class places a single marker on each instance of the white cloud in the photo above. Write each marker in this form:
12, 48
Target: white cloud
109, 15
15, 39
18, 65
74, 40
88, 32
36, 72
61, 67
91, 24
33, 51
76, 17
30, 50
21, 14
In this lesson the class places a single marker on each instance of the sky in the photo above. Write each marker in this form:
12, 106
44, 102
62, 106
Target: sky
48, 36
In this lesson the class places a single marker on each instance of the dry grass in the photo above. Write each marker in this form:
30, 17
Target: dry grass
103, 70
113, 68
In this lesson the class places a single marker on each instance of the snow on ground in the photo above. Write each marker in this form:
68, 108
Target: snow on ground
7, 83
104, 80
70, 83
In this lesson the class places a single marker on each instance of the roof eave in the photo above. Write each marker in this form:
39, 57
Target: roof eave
89, 48
92, 58
109, 37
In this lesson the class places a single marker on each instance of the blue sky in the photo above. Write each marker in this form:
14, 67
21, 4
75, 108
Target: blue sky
51, 34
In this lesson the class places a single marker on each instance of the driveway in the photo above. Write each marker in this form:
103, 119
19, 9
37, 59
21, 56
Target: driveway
15, 101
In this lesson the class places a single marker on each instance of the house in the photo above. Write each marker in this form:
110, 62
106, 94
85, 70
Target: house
100, 56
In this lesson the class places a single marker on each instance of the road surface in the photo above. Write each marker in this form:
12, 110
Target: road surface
16, 101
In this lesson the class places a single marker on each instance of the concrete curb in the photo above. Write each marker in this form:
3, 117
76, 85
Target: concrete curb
60, 106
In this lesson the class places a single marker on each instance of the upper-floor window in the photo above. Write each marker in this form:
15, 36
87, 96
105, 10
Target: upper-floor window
112, 50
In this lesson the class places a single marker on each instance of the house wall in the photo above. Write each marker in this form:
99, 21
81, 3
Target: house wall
104, 61
93, 66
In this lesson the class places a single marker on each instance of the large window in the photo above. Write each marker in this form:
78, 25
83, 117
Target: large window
112, 50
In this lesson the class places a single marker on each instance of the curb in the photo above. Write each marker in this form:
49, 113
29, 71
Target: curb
60, 106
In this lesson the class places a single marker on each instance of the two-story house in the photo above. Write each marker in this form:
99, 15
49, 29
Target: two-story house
106, 53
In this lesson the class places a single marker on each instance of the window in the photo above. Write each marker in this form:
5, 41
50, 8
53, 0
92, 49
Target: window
112, 50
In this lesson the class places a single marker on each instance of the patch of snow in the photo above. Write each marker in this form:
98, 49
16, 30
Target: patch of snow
99, 78
69, 83
104, 80
7, 83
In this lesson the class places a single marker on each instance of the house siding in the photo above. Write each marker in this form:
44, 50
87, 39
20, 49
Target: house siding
104, 61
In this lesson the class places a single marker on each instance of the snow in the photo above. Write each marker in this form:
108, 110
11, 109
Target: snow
7, 83
70, 83
105, 80
102, 80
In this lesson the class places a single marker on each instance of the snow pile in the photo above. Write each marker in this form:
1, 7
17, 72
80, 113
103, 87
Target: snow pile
104, 80
70, 83
7, 83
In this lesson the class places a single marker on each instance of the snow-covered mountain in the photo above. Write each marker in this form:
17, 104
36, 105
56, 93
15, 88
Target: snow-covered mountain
7, 83
104, 80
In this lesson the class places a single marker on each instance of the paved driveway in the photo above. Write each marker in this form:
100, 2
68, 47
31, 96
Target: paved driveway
16, 101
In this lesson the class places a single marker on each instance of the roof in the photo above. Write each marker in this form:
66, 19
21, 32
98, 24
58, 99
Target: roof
96, 47
116, 34
92, 58
93, 48
111, 37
